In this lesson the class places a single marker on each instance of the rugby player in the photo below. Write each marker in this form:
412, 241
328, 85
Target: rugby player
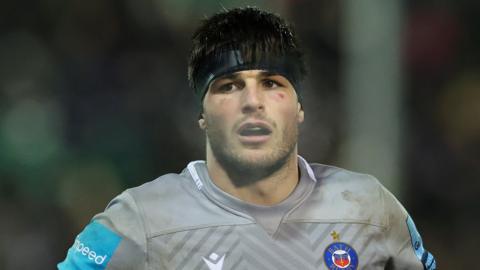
253, 203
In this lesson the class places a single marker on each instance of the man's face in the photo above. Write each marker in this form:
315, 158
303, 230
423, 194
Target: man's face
251, 120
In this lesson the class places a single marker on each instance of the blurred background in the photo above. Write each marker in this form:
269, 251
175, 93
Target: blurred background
94, 99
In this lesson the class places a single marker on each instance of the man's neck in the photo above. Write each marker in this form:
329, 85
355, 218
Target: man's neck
269, 190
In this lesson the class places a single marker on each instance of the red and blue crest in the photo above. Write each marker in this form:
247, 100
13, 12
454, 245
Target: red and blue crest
339, 255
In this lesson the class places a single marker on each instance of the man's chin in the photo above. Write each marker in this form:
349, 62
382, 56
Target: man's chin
247, 168
256, 157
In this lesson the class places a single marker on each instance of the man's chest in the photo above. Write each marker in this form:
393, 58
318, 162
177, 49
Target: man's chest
294, 246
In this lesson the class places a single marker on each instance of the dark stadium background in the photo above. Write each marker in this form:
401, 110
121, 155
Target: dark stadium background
94, 99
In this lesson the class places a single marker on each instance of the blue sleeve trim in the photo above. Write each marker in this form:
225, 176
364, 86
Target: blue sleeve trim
93, 248
430, 263
422, 254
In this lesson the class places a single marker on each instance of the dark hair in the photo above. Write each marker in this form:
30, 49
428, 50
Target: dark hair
251, 32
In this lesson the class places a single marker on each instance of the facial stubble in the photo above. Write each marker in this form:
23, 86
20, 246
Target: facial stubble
242, 169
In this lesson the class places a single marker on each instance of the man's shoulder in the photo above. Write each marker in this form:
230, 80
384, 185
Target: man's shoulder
166, 195
341, 195
167, 186
172, 203
329, 176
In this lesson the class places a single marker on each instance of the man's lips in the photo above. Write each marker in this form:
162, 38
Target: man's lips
254, 129
254, 132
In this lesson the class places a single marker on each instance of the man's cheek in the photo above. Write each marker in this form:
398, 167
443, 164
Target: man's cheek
216, 125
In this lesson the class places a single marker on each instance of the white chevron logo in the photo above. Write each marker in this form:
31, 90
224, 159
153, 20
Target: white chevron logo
213, 262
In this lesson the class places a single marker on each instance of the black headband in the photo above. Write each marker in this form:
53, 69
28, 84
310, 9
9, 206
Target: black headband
228, 62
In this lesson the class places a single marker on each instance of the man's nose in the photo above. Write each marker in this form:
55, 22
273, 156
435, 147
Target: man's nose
253, 98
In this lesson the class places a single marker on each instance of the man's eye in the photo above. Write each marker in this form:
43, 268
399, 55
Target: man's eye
227, 87
270, 84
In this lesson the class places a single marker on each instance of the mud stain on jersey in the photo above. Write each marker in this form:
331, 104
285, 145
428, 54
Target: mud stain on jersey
347, 195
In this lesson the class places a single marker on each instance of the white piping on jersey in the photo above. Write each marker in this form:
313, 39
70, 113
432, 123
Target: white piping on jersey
194, 174
309, 169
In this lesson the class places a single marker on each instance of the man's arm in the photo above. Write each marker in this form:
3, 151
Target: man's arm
403, 240
114, 239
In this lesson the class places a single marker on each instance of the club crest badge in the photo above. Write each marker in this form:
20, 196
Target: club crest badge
339, 255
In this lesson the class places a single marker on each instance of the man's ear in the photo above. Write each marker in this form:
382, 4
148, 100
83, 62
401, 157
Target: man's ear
201, 122
301, 114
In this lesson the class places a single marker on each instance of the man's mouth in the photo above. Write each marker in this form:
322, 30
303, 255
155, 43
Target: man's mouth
254, 132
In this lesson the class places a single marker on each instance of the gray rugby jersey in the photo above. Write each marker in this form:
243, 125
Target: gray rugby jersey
334, 219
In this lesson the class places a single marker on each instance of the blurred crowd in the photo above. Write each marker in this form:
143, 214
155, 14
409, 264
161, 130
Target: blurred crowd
94, 99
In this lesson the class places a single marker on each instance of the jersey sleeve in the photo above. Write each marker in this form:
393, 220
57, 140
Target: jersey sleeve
403, 240
113, 240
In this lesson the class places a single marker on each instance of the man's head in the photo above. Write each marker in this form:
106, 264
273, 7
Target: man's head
244, 67
243, 39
